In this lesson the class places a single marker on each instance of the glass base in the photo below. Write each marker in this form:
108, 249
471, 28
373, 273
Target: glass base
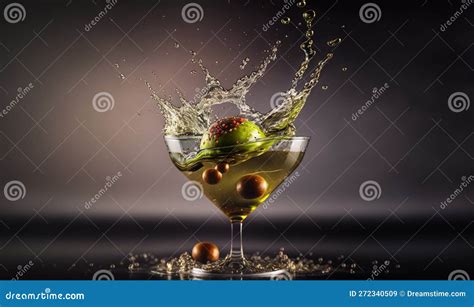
239, 268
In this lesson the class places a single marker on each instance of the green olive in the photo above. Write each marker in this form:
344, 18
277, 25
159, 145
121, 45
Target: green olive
231, 131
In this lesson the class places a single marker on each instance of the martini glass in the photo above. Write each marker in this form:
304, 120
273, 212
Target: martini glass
247, 181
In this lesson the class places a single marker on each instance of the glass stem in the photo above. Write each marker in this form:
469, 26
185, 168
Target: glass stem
236, 248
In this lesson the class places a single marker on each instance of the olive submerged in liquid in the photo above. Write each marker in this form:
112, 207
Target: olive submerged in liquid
252, 186
211, 176
222, 167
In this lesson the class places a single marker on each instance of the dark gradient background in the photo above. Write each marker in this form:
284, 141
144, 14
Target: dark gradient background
408, 141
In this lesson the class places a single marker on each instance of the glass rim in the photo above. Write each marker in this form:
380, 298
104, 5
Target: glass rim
281, 138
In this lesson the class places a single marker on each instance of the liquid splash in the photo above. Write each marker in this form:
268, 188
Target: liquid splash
244, 63
194, 118
298, 266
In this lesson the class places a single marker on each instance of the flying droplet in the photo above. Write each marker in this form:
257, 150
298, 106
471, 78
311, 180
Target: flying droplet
301, 4
309, 15
285, 20
344, 69
193, 72
244, 63
116, 66
334, 42
176, 45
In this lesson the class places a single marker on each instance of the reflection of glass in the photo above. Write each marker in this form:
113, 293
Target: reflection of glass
245, 185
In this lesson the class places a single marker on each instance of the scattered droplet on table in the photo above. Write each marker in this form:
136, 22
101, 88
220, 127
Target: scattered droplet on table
285, 20
334, 42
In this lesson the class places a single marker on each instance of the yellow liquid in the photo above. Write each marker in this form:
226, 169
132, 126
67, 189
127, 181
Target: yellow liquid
273, 166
